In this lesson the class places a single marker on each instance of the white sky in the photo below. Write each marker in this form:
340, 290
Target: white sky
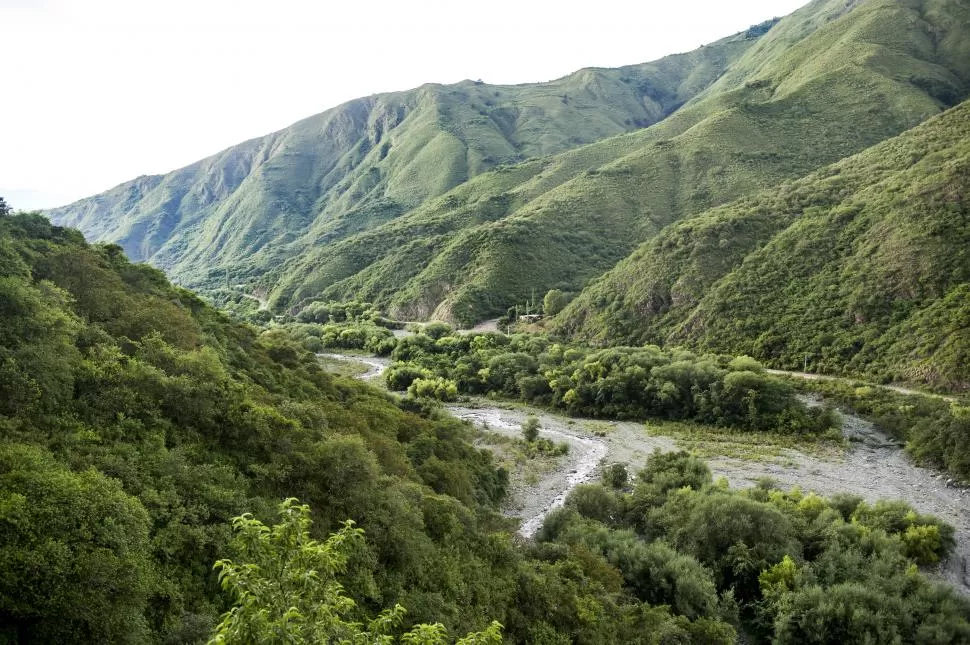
97, 92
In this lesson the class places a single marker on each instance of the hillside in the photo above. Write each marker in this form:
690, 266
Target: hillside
828, 81
370, 160
140, 430
862, 267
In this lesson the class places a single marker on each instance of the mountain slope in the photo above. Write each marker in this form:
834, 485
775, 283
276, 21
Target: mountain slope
863, 267
830, 80
372, 159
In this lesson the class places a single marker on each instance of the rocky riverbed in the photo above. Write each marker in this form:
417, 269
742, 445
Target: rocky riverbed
873, 467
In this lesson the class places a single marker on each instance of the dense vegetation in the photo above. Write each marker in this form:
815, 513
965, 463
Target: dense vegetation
644, 382
862, 267
411, 200
619, 382
137, 422
828, 81
797, 568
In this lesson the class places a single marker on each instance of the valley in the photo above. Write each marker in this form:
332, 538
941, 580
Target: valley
872, 466
660, 353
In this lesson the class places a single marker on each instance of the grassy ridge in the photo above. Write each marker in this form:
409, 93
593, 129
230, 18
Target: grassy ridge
370, 160
862, 266
828, 81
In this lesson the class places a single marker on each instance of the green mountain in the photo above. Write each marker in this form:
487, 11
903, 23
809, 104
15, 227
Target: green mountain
863, 267
456, 202
370, 160
828, 81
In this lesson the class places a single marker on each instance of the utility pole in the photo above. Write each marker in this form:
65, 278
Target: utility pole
806, 364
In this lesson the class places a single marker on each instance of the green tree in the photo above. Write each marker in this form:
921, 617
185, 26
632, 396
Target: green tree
74, 554
615, 476
554, 302
285, 590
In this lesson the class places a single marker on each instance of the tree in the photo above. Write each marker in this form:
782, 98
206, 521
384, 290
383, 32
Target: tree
286, 589
615, 476
74, 554
4, 207
554, 302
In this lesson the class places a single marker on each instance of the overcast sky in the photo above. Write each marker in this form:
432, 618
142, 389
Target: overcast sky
96, 92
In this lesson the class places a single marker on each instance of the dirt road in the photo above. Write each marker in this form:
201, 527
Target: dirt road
895, 388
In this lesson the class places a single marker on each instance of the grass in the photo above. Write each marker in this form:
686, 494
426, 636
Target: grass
351, 368
710, 442
598, 428
525, 469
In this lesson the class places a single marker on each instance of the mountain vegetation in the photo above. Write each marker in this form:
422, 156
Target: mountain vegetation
370, 160
828, 81
862, 268
459, 210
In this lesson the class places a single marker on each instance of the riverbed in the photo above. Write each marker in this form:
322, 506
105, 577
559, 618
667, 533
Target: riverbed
873, 466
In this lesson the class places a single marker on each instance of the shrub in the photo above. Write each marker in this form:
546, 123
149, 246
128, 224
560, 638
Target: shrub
436, 388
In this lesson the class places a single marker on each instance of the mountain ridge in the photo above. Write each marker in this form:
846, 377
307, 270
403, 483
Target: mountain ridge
423, 204
588, 207
336, 171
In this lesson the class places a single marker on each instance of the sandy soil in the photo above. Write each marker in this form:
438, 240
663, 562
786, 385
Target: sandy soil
376, 364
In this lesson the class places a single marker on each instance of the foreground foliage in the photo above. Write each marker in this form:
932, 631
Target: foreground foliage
136, 421
286, 591
798, 568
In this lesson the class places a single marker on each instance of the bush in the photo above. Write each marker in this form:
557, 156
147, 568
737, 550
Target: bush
436, 388
400, 376
530, 429
615, 476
